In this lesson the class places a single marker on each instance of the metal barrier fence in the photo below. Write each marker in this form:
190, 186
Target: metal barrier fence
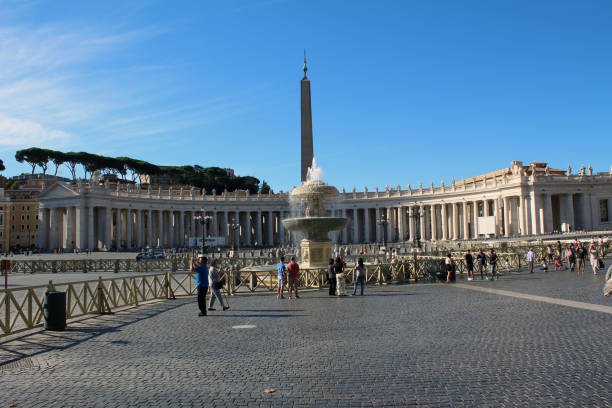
22, 308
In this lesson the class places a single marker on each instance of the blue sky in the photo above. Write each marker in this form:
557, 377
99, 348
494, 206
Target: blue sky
403, 91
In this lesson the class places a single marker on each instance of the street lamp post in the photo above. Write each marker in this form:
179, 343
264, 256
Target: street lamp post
235, 227
203, 220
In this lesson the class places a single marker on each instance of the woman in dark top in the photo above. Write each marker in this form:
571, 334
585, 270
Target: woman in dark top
331, 276
339, 271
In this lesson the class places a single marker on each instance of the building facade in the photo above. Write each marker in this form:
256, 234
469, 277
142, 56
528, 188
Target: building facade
23, 232
5, 211
511, 202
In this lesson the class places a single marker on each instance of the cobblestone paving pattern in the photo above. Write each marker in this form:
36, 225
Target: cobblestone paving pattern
408, 345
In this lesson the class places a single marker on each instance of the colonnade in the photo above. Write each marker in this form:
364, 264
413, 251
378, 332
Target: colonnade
515, 212
105, 227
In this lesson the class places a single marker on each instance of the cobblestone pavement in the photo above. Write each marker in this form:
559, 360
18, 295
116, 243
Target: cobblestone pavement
408, 345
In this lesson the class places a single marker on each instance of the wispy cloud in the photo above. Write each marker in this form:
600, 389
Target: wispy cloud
20, 133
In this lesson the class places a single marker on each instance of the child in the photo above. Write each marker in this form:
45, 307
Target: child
544, 266
507, 264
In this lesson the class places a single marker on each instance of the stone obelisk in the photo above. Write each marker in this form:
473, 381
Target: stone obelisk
307, 149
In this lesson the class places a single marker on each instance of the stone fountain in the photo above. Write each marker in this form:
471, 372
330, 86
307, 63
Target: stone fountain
316, 246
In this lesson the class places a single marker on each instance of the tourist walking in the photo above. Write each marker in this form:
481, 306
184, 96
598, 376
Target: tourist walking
493, 259
581, 257
549, 253
339, 271
216, 284
331, 277
594, 258
282, 277
294, 273
450, 266
571, 257
469, 264
360, 272
482, 263
530, 259
201, 270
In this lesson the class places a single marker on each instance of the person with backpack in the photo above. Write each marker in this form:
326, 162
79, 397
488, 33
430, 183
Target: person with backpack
216, 284
493, 259
571, 257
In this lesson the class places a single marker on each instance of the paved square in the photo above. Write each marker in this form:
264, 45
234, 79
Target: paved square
423, 345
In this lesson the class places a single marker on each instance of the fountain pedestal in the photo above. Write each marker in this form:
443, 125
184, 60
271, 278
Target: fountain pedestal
315, 254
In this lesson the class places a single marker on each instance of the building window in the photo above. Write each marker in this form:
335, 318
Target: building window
22, 227
12, 218
28, 217
23, 208
28, 208
28, 226
22, 217
603, 210
13, 227
1, 219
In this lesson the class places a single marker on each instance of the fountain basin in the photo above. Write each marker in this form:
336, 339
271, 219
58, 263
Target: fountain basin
315, 228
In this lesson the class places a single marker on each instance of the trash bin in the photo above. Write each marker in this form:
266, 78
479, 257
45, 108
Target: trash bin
55, 310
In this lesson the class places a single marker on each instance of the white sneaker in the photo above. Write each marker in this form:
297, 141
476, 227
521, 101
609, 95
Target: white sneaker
470, 279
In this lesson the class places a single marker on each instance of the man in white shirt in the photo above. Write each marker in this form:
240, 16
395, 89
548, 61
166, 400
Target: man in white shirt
530, 259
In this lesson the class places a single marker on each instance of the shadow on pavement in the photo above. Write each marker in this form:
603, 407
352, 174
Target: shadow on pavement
79, 331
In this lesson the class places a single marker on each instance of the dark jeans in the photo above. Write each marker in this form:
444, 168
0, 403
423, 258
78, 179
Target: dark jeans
332, 286
202, 298
359, 281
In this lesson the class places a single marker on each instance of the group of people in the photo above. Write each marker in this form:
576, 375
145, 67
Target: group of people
335, 276
576, 255
288, 274
208, 277
484, 263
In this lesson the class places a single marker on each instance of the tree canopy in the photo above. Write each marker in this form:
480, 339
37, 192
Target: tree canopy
208, 178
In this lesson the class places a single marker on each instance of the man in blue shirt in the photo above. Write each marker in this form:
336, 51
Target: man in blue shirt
282, 277
201, 270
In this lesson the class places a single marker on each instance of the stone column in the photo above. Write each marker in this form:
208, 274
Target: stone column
237, 231
43, 227
270, 221
258, 231
535, 228
192, 226
401, 223
160, 229
497, 217
378, 239
52, 227
466, 225
90, 228
434, 222
224, 226
214, 225
422, 220
108, 224
69, 225
129, 227
412, 223
344, 232
247, 222
366, 224
521, 215
455, 216
548, 216
139, 229
475, 218
150, 228
444, 223
171, 229
181, 241
507, 216
118, 228
389, 224
570, 211
355, 226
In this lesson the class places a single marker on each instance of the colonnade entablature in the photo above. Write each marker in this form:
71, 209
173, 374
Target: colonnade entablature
517, 201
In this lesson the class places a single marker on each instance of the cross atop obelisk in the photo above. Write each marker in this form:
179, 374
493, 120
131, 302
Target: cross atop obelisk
307, 149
